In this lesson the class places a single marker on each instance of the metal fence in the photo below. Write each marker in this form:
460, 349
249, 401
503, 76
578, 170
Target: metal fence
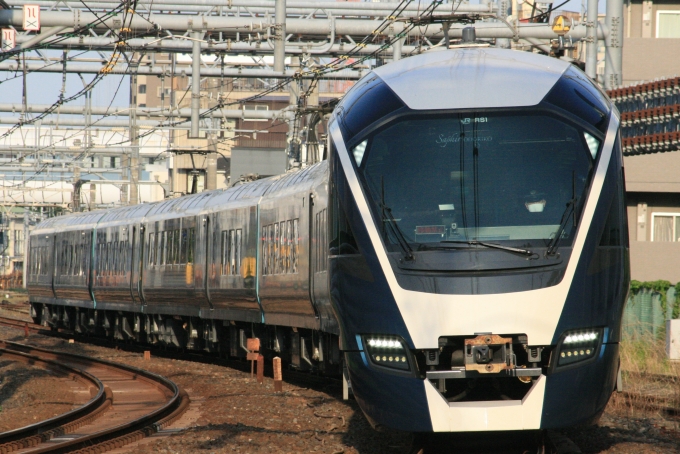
645, 313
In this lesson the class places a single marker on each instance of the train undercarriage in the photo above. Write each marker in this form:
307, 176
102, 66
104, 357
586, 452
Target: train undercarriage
301, 349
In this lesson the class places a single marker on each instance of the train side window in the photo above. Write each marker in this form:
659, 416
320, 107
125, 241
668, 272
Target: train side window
154, 248
123, 257
272, 248
283, 249
232, 253
149, 254
79, 260
224, 253
116, 258
277, 249
105, 259
161, 248
170, 247
183, 246
238, 252
264, 250
289, 246
100, 259
176, 246
98, 265
296, 245
190, 249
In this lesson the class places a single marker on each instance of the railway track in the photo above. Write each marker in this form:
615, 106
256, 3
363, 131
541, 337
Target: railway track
22, 308
128, 404
553, 443
293, 376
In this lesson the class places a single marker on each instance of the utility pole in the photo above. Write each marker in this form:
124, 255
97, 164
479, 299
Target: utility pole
24, 269
613, 59
195, 84
133, 166
591, 40
280, 35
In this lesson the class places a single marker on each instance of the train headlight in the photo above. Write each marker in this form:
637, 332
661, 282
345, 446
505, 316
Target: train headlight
387, 351
578, 345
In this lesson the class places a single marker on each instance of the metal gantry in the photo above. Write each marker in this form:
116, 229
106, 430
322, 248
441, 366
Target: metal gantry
327, 40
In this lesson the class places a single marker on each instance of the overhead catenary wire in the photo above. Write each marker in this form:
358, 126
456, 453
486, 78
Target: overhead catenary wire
332, 67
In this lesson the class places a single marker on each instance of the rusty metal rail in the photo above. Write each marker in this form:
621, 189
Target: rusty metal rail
150, 400
22, 308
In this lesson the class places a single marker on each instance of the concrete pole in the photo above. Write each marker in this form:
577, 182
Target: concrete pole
211, 164
503, 7
24, 270
195, 84
396, 49
280, 35
171, 132
591, 40
613, 72
133, 166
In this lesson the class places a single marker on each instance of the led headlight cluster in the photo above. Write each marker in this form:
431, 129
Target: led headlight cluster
387, 351
578, 346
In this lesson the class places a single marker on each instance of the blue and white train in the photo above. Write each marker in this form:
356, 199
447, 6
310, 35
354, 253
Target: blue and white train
461, 254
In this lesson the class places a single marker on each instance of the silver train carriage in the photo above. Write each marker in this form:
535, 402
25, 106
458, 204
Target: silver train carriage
463, 251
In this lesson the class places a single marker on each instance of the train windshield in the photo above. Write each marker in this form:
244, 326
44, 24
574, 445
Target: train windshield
494, 177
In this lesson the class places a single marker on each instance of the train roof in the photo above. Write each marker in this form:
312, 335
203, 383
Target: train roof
189, 205
468, 78
75, 221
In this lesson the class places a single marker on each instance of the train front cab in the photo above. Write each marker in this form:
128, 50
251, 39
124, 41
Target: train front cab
479, 338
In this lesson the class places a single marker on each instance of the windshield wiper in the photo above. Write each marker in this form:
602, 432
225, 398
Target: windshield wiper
525, 252
401, 239
552, 245
387, 216
568, 211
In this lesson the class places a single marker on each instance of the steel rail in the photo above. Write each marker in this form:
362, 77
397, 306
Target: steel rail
121, 434
42, 431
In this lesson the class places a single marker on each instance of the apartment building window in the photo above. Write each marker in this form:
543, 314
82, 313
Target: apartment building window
18, 243
142, 89
252, 107
666, 227
668, 24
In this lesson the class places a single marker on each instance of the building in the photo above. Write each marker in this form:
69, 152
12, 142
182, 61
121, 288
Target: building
650, 132
651, 43
12, 242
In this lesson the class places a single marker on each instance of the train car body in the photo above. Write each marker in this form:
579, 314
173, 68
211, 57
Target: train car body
462, 254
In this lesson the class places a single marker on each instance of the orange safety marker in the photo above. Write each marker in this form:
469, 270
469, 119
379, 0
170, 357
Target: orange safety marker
253, 347
278, 382
147, 355
260, 369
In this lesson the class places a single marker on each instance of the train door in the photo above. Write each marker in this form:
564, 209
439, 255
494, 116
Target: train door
318, 263
137, 265
208, 256
53, 260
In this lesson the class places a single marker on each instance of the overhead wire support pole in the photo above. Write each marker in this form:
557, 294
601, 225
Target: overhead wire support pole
133, 166
280, 35
195, 84
613, 57
591, 39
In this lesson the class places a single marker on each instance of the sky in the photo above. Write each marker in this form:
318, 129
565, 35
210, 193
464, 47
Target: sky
44, 88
